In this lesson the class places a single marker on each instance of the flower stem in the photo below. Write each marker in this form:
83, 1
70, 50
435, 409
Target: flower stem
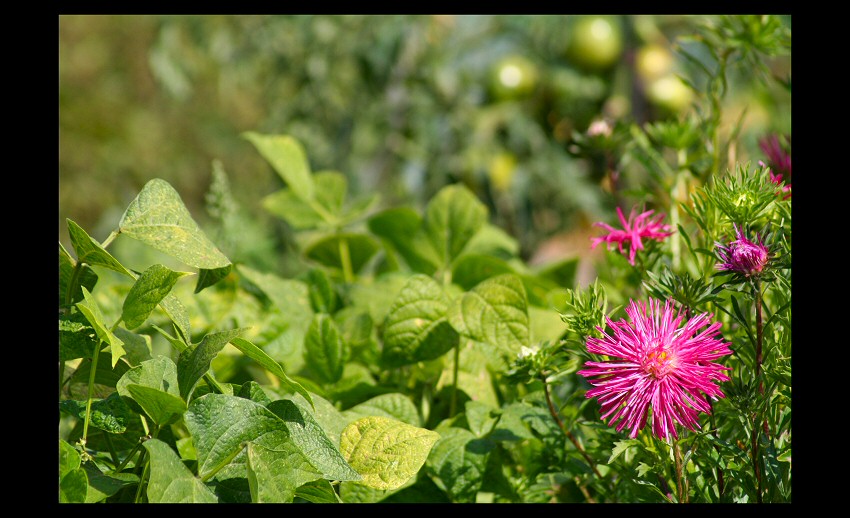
681, 483
567, 432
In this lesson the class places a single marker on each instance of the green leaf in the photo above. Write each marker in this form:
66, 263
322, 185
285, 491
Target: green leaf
195, 361
258, 355
253, 391
287, 157
69, 458
159, 373
76, 339
290, 296
331, 188
102, 486
459, 459
138, 348
110, 414
73, 487
325, 350
396, 406
85, 278
452, 217
471, 269
162, 407
493, 241
326, 250
622, 446
106, 375
318, 492
170, 480
562, 273
402, 228
291, 208
90, 252
147, 292
178, 314
208, 277
158, 218
274, 475
92, 312
306, 433
480, 417
220, 426
322, 295
378, 295
386, 452
416, 328
494, 312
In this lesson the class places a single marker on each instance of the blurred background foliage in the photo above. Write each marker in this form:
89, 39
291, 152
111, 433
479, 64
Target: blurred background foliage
402, 105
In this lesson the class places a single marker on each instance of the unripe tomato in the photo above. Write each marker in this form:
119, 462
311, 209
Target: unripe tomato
670, 93
653, 61
513, 77
595, 43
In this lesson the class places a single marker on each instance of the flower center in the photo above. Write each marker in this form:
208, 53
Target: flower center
658, 362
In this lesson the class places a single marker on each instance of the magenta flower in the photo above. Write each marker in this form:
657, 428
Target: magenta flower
778, 152
655, 363
637, 227
742, 255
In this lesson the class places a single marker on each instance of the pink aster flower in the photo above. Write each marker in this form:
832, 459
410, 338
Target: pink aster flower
742, 255
654, 363
638, 227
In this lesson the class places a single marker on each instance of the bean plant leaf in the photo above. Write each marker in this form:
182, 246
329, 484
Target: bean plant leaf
459, 460
102, 486
288, 159
92, 312
253, 391
472, 269
170, 480
416, 328
326, 250
85, 278
325, 350
138, 348
208, 277
69, 458
318, 492
274, 475
77, 339
195, 361
452, 217
386, 452
395, 406
258, 355
494, 312
287, 205
158, 218
91, 252
402, 228
176, 311
323, 298
73, 487
307, 434
159, 373
110, 414
146, 293
162, 407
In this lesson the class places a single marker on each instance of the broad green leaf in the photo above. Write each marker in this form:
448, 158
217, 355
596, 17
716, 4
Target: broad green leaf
326, 250
322, 295
492, 241
459, 459
220, 426
318, 492
195, 361
69, 458
147, 292
138, 348
544, 324
110, 414
76, 339
85, 278
562, 273
396, 406
306, 433
481, 417
170, 480
416, 328
387, 453
495, 312
90, 252
159, 373
330, 419
290, 296
208, 277
622, 446
252, 390
359, 207
471, 269
287, 157
73, 487
162, 407
92, 312
288, 206
325, 350
274, 475
102, 486
255, 353
378, 295
402, 228
452, 217
357, 493
178, 314
158, 218
106, 376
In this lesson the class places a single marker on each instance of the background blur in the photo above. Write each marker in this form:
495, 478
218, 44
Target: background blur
402, 105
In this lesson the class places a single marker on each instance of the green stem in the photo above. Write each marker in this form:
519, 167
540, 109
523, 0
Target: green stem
720, 484
61, 377
681, 483
554, 413
109, 239
137, 499
73, 283
89, 397
345, 259
755, 437
111, 448
455, 369
129, 456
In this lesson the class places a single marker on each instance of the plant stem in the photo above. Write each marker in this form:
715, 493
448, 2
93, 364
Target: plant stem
720, 483
111, 448
141, 483
345, 259
109, 239
455, 369
61, 377
681, 484
128, 457
567, 432
89, 397
755, 437
759, 341
72, 284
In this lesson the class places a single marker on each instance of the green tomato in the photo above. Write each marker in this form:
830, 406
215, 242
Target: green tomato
653, 61
596, 43
513, 77
670, 93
